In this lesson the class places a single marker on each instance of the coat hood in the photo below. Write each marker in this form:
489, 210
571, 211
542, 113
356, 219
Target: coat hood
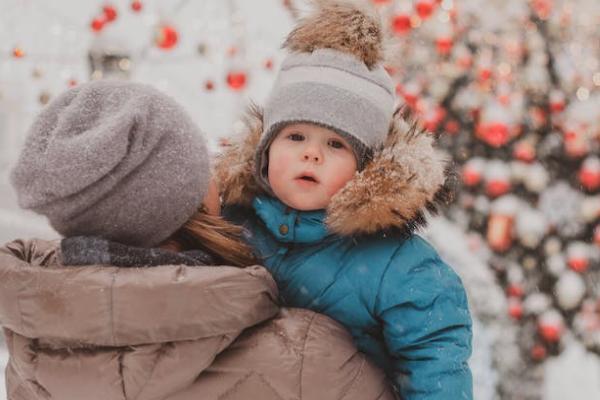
406, 178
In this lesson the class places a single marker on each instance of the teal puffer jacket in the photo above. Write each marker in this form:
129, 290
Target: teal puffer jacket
360, 263
402, 304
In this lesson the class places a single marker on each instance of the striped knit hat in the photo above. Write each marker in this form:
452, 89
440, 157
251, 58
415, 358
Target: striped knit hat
334, 78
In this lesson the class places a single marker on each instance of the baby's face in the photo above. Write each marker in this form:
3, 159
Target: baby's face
308, 164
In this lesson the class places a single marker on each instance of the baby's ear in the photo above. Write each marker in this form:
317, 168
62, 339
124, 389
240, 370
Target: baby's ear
234, 167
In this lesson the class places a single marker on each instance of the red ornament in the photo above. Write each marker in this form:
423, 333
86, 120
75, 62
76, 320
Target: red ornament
433, 118
444, 44
411, 99
575, 143
485, 73
497, 187
538, 352
515, 308
550, 332
401, 23
499, 232
557, 101
597, 235
236, 80
72, 82
18, 52
515, 290
496, 134
452, 127
166, 37
471, 176
578, 264
424, 8
110, 13
524, 151
209, 85
136, 5
380, 2
268, 64
98, 24
589, 174
543, 8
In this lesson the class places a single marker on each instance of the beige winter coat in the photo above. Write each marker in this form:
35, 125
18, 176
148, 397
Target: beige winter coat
169, 332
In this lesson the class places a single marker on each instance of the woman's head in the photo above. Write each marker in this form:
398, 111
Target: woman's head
114, 159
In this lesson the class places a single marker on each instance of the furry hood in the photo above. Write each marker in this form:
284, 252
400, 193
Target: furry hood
406, 178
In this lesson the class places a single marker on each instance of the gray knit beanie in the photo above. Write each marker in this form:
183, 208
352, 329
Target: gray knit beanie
113, 159
334, 78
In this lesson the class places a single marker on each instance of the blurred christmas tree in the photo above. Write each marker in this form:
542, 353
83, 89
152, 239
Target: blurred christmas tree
512, 87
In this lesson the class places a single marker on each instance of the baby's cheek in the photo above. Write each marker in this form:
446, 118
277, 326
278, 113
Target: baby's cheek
277, 166
336, 183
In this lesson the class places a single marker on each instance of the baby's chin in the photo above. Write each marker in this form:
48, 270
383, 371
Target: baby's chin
301, 203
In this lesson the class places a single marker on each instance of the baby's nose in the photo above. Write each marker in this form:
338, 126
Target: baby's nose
312, 157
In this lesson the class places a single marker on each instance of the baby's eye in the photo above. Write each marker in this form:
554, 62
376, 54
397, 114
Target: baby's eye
336, 144
296, 137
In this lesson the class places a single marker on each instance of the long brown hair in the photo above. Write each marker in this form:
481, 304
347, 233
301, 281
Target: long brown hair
214, 235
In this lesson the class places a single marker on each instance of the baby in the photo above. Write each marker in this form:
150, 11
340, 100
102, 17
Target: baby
330, 185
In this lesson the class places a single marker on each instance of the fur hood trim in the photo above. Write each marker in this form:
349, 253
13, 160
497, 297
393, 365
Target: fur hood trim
406, 178
346, 26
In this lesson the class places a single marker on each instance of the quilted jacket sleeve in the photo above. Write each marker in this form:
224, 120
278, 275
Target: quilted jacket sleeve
427, 325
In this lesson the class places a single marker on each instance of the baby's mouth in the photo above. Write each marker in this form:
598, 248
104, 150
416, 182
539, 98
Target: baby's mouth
307, 177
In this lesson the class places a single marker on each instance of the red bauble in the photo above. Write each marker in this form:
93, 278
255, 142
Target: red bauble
538, 352
470, 176
424, 8
497, 187
166, 37
499, 232
485, 73
524, 151
268, 64
515, 290
550, 332
578, 264
401, 23
136, 5
557, 101
575, 143
72, 82
433, 118
110, 12
98, 24
589, 174
18, 52
444, 44
452, 127
236, 80
515, 308
209, 85
543, 8
496, 134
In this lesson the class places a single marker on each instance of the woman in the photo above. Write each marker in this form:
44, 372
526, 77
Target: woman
119, 168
